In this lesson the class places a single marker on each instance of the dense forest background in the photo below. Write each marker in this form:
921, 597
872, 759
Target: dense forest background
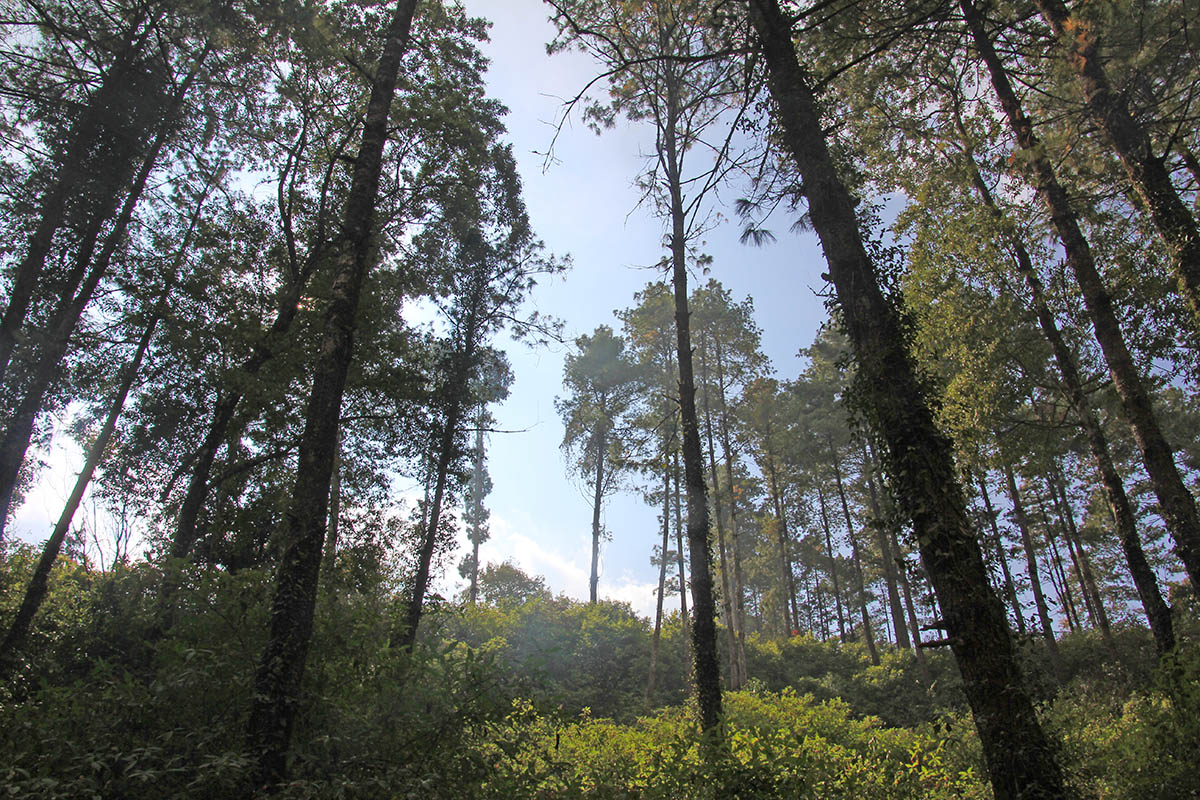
267, 265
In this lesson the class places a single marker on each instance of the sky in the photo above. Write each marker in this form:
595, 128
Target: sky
582, 203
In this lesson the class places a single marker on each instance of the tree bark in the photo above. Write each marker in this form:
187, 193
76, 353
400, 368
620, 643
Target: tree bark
739, 600
704, 629
791, 611
73, 190
1176, 504
868, 629
597, 499
1018, 755
886, 556
58, 332
727, 591
1035, 583
1158, 614
277, 684
662, 573
837, 590
1010, 588
685, 619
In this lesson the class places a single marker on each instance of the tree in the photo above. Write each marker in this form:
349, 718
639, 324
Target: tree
918, 455
604, 384
277, 683
656, 56
1177, 504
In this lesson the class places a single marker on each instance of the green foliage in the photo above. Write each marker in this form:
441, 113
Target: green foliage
1139, 744
779, 745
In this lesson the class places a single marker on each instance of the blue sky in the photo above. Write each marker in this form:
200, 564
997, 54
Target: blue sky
584, 205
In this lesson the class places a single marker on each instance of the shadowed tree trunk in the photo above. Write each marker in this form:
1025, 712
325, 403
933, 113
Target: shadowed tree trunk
704, 629
89, 269
1010, 588
837, 591
277, 683
1035, 582
886, 556
82, 192
662, 571
919, 460
727, 590
868, 629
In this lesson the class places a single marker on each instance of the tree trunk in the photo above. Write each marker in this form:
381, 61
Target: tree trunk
837, 590
704, 629
58, 332
685, 619
1058, 487
1058, 576
76, 168
433, 520
597, 499
277, 684
886, 556
791, 611
726, 580
39, 583
1035, 583
868, 629
662, 574
335, 508
913, 624
739, 601
1147, 172
1017, 752
1010, 588
1177, 506
228, 399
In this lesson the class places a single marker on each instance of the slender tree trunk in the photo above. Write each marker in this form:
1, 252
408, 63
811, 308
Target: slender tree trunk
662, 573
229, 398
277, 684
837, 590
1058, 487
1176, 503
597, 499
886, 555
727, 590
39, 583
739, 601
1035, 583
478, 478
1017, 753
704, 629
335, 508
914, 625
1058, 576
685, 619
791, 620
1010, 588
868, 629
1147, 171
